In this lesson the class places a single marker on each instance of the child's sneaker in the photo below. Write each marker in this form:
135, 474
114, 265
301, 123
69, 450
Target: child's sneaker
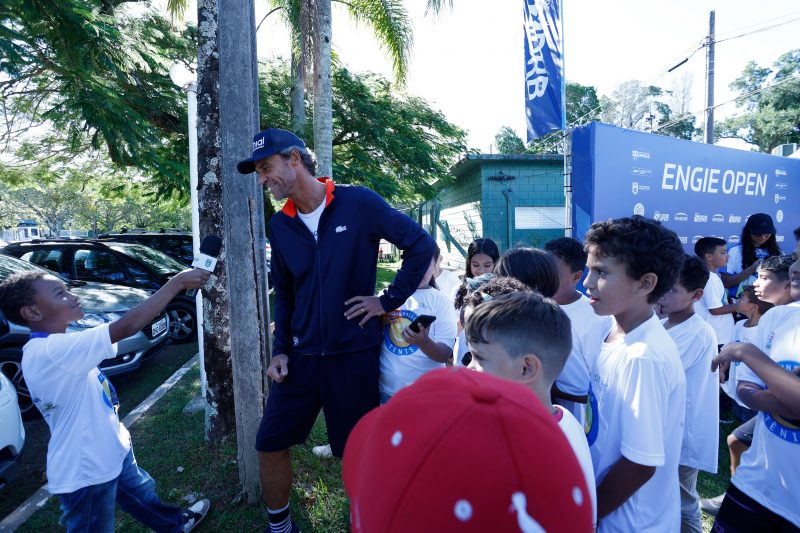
195, 514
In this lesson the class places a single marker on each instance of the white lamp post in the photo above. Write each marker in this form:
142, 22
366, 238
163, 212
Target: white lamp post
185, 78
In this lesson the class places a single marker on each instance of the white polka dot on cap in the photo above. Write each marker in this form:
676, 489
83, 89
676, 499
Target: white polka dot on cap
577, 496
463, 510
397, 438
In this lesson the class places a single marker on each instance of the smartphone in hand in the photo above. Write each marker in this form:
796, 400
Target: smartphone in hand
425, 320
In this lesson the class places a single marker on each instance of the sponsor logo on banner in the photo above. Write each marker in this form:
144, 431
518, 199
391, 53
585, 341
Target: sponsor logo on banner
696, 238
636, 187
640, 154
779, 216
638, 209
661, 217
781, 185
681, 217
700, 218
684, 239
718, 218
637, 171
734, 219
778, 238
733, 239
780, 172
779, 198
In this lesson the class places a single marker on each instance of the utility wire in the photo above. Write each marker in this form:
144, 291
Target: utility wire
740, 97
757, 30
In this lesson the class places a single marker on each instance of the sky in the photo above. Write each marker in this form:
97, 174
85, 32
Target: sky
468, 62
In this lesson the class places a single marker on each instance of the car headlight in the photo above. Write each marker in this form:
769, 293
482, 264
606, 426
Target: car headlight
92, 320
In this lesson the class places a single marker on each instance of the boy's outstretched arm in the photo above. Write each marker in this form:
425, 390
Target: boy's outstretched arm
782, 395
621, 482
141, 315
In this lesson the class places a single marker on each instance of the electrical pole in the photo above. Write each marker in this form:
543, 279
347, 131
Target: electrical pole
709, 133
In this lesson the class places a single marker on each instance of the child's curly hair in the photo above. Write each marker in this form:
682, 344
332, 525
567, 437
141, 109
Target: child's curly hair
16, 292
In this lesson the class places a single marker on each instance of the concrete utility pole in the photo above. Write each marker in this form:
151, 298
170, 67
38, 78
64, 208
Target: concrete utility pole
709, 133
235, 308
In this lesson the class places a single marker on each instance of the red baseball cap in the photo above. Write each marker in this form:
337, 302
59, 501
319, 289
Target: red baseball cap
463, 451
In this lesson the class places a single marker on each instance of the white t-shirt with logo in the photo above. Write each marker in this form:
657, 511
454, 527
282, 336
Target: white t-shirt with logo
697, 347
714, 297
573, 430
403, 363
588, 331
88, 444
311, 220
637, 402
770, 469
740, 334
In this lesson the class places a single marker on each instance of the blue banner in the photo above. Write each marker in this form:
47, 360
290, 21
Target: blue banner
544, 67
697, 190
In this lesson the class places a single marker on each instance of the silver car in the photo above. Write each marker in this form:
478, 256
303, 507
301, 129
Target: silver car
102, 303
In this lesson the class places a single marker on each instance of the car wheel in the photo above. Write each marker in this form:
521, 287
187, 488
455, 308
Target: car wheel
11, 366
182, 323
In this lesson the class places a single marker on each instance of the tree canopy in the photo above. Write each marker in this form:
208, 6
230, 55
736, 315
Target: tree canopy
770, 100
95, 76
394, 143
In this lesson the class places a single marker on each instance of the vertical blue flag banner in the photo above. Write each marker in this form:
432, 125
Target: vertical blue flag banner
544, 67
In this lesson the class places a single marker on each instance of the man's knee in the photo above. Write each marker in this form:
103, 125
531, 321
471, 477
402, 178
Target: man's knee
270, 460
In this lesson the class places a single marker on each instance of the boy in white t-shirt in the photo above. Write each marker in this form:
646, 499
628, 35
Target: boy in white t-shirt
764, 494
571, 389
697, 346
407, 354
713, 307
526, 338
638, 399
90, 461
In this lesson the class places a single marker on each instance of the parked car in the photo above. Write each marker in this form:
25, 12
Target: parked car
131, 265
176, 244
102, 303
12, 432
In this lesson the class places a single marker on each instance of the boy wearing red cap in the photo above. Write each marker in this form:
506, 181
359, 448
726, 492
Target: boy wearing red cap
526, 338
463, 451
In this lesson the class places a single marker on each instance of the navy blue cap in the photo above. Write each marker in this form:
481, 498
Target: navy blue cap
760, 224
266, 143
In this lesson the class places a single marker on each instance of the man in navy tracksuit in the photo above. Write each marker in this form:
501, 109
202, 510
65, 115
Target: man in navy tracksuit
327, 322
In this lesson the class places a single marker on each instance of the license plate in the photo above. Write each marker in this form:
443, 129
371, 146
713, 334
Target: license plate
159, 327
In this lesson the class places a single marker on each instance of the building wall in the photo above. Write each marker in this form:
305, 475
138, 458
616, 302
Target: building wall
535, 184
475, 206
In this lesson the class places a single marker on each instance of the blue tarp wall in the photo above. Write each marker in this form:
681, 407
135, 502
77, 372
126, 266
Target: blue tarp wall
695, 189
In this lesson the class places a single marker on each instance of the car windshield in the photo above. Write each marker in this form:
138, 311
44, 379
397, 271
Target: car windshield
160, 262
9, 265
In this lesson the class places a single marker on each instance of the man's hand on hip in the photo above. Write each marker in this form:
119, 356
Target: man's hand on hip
363, 307
278, 367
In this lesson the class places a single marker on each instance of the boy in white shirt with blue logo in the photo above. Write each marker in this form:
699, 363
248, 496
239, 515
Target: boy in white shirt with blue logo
638, 390
697, 346
764, 494
90, 461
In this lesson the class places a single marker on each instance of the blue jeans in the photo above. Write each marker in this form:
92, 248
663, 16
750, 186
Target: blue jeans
91, 509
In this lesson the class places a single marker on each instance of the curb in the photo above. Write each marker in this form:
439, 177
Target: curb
28, 508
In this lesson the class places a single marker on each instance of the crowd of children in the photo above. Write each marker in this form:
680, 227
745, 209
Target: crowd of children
635, 396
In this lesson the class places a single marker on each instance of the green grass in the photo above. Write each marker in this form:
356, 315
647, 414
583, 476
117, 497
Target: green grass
165, 438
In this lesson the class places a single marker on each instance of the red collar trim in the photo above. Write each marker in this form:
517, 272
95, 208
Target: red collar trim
290, 209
